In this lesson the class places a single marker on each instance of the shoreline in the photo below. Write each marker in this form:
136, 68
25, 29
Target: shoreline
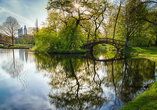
140, 101
146, 100
76, 52
53, 52
139, 56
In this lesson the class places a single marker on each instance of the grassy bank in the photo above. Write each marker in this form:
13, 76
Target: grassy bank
63, 51
149, 53
25, 45
18, 46
145, 101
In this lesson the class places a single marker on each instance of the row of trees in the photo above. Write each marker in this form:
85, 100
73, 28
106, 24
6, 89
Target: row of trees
71, 22
136, 22
10, 29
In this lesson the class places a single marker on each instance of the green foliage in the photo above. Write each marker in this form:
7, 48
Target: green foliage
136, 23
72, 37
129, 44
69, 38
9, 39
26, 39
45, 41
24, 45
1, 45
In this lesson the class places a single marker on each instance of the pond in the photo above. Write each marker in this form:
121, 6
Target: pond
102, 81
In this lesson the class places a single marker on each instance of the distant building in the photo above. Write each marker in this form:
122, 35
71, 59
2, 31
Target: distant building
20, 32
36, 25
25, 30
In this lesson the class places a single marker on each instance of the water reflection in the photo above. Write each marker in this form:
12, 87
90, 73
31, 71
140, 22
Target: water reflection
103, 80
86, 83
15, 67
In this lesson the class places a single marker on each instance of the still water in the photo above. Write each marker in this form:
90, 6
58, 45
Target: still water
103, 81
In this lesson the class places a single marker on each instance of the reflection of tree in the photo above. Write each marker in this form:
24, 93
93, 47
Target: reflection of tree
130, 76
75, 89
77, 83
16, 69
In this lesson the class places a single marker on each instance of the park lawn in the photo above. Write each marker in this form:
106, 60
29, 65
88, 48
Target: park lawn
149, 53
24, 45
145, 101
63, 51
18, 46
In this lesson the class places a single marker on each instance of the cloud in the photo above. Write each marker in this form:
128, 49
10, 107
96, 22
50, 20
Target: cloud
25, 11
18, 17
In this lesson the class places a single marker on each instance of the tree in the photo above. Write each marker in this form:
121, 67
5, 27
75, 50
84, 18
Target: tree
75, 16
1, 35
81, 10
10, 27
31, 30
117, 19
129, 25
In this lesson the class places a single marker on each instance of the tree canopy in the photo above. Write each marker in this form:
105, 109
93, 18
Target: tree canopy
73, 22
10, 27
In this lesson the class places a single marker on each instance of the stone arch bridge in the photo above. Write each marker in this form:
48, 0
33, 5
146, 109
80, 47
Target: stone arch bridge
116, 43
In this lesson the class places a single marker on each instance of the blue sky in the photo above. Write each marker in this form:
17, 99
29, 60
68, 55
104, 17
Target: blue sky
25, 11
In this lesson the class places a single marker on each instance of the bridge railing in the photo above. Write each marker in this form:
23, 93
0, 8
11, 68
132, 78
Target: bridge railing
107, 40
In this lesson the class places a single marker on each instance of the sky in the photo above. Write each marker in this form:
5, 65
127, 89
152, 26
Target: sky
25, 11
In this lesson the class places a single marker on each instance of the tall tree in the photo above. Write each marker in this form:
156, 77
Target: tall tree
81, 10
117, 19
10, 27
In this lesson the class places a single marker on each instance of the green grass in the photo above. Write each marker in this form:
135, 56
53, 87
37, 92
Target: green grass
24, 45
145, 101
18, 46
150, 53
69, 51
1, 45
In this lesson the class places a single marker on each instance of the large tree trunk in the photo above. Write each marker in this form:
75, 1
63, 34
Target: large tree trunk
73, 32
116, 19
12, 40
156, 41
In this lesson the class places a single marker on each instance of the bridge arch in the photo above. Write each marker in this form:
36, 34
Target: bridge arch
116, 43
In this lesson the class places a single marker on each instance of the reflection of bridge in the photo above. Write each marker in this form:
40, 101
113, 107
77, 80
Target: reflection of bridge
116, 58
117, 43
5, 42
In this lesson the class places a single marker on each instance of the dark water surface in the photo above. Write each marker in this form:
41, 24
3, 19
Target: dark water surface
31, 81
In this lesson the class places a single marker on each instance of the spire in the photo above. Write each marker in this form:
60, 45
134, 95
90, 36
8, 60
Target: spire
36, 25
